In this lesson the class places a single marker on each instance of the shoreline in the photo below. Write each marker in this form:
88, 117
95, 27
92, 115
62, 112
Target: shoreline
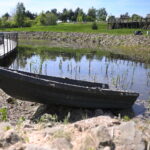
59, 127
129, 46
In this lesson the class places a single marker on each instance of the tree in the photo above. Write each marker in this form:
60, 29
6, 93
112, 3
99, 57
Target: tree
80, 18
77, 12
20, 15
71, 15
6, 16
64, 15
111, 19
30, 15
102, 14
136, 17
125, 16
91, 15
41, 19
54, 11
51, 19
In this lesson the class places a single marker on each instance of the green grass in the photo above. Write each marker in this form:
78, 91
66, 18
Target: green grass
135, 53
74, 27
28, 49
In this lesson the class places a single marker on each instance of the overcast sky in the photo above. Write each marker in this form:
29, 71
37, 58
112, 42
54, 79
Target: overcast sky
113, 7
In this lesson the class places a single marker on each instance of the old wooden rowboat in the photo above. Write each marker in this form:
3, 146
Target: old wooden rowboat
63, 91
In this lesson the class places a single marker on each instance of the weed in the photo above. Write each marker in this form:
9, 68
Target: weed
3, 114
7, 128
62, 134
126, 118
49, 117
84, 116
66, 119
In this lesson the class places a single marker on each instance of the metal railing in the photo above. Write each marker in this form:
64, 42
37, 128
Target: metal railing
8, 42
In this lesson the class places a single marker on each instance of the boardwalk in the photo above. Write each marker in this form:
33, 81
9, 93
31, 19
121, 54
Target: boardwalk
8, 43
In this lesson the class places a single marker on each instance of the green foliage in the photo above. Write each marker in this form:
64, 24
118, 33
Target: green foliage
64, 15
102, 14
3, 114
66, 119
7, 128
126, 118
91, 14
41, 19
20, 15
78, 27
80, 18
94, 26
49, 118
6, 15
136, 17
30, 15
28, 22
111, 19
51, 19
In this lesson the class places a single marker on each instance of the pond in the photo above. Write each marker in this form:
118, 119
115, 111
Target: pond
118, 73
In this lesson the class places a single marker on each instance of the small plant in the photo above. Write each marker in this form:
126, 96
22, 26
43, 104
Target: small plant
48, 118
94, 26
85, 116
20, 121
3, 114
7, 128
62, 134
66, 119
126, 118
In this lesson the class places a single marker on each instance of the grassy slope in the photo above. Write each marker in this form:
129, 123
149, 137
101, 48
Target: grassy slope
71, 27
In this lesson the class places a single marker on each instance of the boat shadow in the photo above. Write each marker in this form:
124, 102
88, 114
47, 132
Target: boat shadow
71, 114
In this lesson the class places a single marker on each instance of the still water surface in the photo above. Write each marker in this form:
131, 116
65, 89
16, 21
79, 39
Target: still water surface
121, 74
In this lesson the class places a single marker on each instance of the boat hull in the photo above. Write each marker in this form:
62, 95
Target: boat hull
29, 88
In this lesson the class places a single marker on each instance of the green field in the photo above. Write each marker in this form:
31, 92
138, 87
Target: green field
74, 27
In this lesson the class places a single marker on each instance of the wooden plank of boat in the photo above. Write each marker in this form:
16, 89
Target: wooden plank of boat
63, 91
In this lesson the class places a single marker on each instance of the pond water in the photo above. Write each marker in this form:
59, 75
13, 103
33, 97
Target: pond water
118, 73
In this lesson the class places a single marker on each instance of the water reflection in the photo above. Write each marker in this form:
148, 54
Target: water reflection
118, 73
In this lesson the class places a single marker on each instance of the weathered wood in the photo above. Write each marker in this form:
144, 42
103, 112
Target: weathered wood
8, 43
63, 91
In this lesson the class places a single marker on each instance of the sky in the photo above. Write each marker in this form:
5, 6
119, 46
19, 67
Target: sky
113, 7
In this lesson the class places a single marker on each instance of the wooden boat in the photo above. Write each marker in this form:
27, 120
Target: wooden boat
63, 91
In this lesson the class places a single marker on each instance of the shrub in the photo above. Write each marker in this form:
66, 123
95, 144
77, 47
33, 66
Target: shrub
3, 114
94, 26
51, 19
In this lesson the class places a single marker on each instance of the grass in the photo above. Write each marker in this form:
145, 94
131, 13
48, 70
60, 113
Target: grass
74, 27
135, 53
28, 50
3, 114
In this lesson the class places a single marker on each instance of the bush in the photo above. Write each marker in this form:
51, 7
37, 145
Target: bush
51, 19
94, 26
3, 114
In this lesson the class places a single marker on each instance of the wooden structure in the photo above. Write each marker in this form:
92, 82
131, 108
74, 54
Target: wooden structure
8, 43
63, 91
118, 23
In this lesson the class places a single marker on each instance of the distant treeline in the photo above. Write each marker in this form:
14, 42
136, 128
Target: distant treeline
25, 18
